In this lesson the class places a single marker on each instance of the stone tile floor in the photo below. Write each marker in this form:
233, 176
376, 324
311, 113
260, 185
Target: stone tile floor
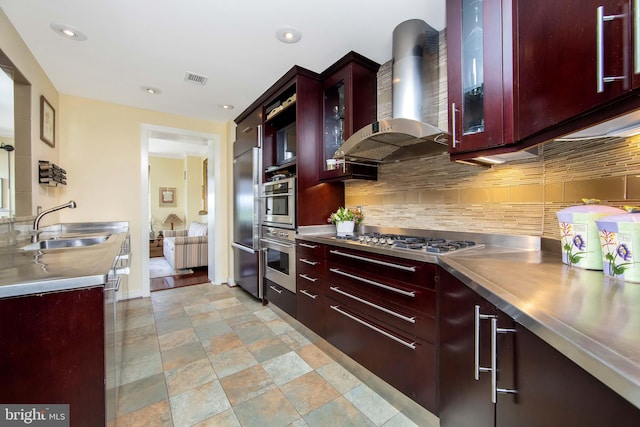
209, 355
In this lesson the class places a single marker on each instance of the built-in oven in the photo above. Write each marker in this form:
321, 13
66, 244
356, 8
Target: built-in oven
279, 203
279, 248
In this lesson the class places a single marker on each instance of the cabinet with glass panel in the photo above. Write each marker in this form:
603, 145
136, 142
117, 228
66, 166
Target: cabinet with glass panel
349, 103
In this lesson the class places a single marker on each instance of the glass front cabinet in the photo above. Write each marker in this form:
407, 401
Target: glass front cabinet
349, 102
475, 74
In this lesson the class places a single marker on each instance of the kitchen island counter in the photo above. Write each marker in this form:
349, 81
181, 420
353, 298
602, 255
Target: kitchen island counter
592, 319
26, 272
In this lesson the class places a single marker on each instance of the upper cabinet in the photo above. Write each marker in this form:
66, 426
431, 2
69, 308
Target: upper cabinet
521, 72
349, 100
475, 75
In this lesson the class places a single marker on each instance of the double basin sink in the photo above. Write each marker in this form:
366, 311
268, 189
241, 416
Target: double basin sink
63, 242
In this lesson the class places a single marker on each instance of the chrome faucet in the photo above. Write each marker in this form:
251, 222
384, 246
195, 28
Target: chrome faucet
36, 223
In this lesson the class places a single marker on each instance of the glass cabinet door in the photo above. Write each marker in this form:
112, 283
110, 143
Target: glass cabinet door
333, 112
472, 67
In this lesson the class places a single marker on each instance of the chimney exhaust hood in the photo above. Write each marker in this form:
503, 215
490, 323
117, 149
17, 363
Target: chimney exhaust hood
405, 136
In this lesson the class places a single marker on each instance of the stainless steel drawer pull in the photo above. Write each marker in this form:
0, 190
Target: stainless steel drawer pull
306, 261
494, 360
311, 279
375, 261
304, 291
411, 345
411, 294
276, 289
116, 284
476, 322
601, 18
306, 245
376, 306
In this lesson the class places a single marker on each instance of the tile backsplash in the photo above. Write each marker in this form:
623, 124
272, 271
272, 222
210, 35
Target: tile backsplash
519, 197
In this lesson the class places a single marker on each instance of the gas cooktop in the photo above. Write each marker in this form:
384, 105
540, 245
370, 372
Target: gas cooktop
434, 245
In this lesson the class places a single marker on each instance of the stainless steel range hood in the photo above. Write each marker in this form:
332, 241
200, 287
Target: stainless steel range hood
406, 135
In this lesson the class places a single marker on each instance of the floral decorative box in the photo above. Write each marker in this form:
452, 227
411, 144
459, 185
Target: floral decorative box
619, 238
579, 234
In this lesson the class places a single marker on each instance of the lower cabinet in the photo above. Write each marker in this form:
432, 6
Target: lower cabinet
53, 352
280, 296
535, 384
381, 311
311, 285
402, 360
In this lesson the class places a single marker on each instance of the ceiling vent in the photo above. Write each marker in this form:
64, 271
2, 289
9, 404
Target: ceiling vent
194, 78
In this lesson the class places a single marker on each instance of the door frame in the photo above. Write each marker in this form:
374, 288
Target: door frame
215, 207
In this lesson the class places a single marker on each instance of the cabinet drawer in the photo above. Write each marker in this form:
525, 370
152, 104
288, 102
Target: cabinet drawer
282, 297
375, 266
311, 310
407, 363
310, 249
409, 321
420, 299
311, 267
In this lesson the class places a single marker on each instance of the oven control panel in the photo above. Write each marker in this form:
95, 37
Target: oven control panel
278, 233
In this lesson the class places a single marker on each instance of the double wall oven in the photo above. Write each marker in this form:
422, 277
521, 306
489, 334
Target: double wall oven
278, 233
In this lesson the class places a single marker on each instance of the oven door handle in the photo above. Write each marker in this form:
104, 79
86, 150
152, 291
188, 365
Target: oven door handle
275, 242
266, 196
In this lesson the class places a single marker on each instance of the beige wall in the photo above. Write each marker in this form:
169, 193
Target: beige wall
166, 173
26, 157
101, 150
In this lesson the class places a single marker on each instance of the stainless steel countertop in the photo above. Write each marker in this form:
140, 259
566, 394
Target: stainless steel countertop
592, 319
33, 272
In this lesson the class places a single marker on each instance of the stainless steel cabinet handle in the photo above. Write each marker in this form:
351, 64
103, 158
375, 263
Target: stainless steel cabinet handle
411, 345
494, 360
304, 291
276, 289
306, 261
411, 294
476, 322
116, 284
376, 306
247, 129
375, 261
311, 279
636, 36
259, 136
453, 125
242, 248
601, 18
306, 245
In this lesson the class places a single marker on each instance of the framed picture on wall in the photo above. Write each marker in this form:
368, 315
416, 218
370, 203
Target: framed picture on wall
47, 122
167, 197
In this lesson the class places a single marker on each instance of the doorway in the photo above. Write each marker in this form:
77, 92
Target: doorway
157, 140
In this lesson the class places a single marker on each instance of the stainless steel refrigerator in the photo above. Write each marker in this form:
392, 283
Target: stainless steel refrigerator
247, 173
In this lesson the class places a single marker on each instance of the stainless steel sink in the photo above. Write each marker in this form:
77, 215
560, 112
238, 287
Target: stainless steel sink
60, 243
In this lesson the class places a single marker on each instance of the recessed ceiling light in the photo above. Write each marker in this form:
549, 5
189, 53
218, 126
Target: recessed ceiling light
288, 34
68, 31
226, 106
151, 90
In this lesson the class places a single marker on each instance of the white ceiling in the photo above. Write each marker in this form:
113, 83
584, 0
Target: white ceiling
135, 43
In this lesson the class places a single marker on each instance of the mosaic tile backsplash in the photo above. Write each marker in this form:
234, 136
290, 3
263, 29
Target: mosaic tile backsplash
520, 197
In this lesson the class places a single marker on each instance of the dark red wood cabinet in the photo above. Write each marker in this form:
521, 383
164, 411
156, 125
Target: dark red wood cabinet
349, 102
540, 386
311, 284
53, 352
381, 311
521, 72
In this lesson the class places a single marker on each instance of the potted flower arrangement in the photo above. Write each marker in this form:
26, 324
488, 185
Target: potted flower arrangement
345, 220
